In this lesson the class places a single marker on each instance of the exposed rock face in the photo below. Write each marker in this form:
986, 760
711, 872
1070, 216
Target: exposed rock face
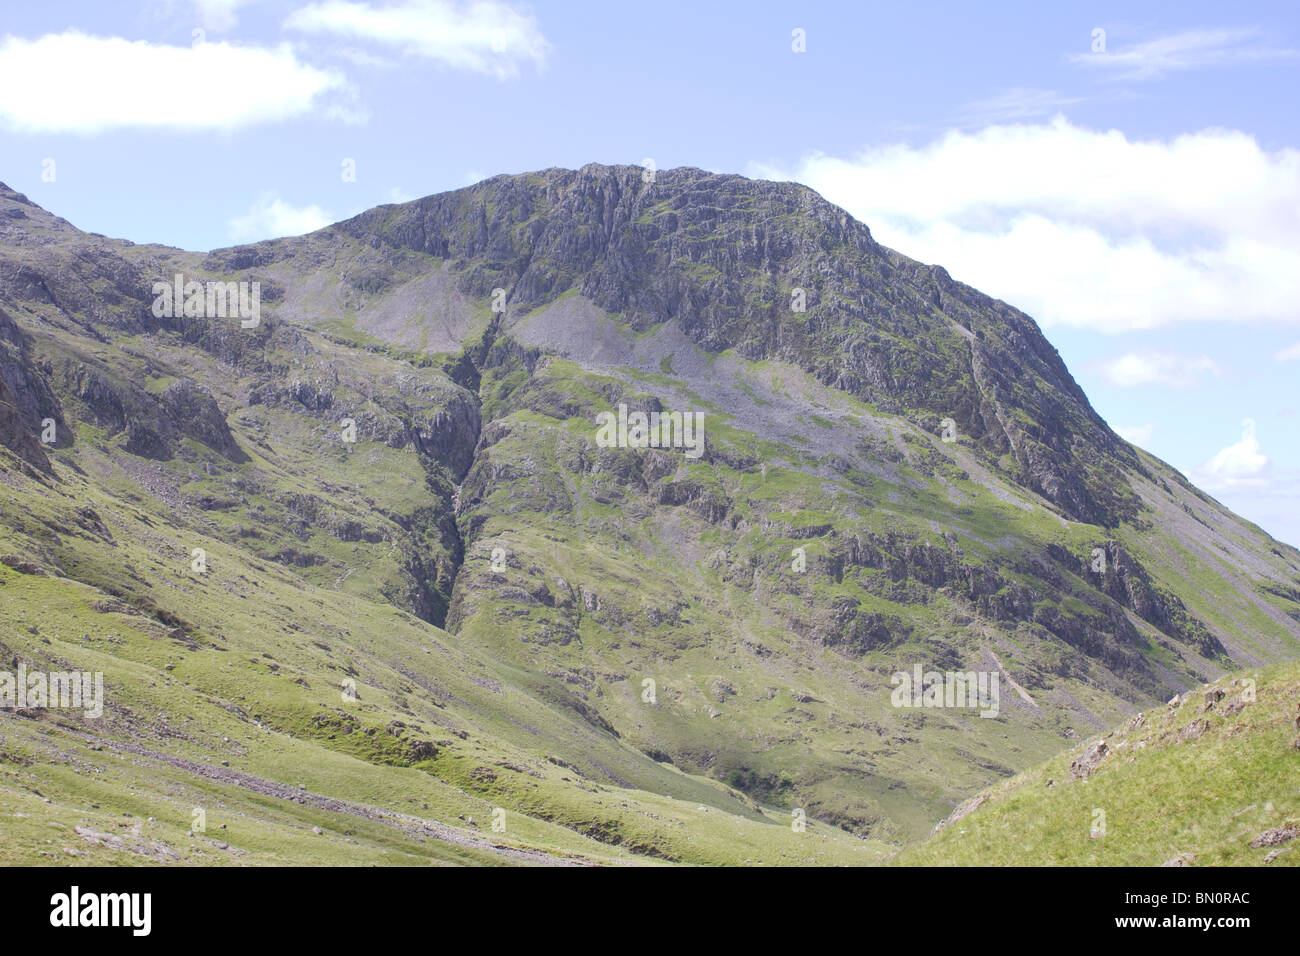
721, 255
1123, 578
26, 400
196, 414
153, 424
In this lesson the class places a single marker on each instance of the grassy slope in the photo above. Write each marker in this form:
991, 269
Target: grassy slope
1164, 793
253, 678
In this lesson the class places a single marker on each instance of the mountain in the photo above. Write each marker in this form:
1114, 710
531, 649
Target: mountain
634, 652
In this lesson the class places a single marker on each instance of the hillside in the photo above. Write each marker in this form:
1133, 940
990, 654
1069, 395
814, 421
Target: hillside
1207, 779
617, 646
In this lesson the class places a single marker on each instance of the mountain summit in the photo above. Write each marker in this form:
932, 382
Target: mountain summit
378, 529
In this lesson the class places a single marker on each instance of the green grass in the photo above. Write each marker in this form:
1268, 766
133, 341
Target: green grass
1161, 795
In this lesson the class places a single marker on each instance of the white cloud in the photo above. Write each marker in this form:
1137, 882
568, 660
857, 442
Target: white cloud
1241, 463
271, 218
1157, 368
1190, 50
219, 14
137, 84
1086, 228
1289, 354
1136, 434
481, 36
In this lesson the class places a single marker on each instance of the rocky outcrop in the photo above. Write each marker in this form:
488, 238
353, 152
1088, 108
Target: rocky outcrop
27, 404
1121, 577
1089, 760
153, 425
194, 413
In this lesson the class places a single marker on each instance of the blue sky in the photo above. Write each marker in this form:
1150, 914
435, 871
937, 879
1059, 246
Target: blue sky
1136, 190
